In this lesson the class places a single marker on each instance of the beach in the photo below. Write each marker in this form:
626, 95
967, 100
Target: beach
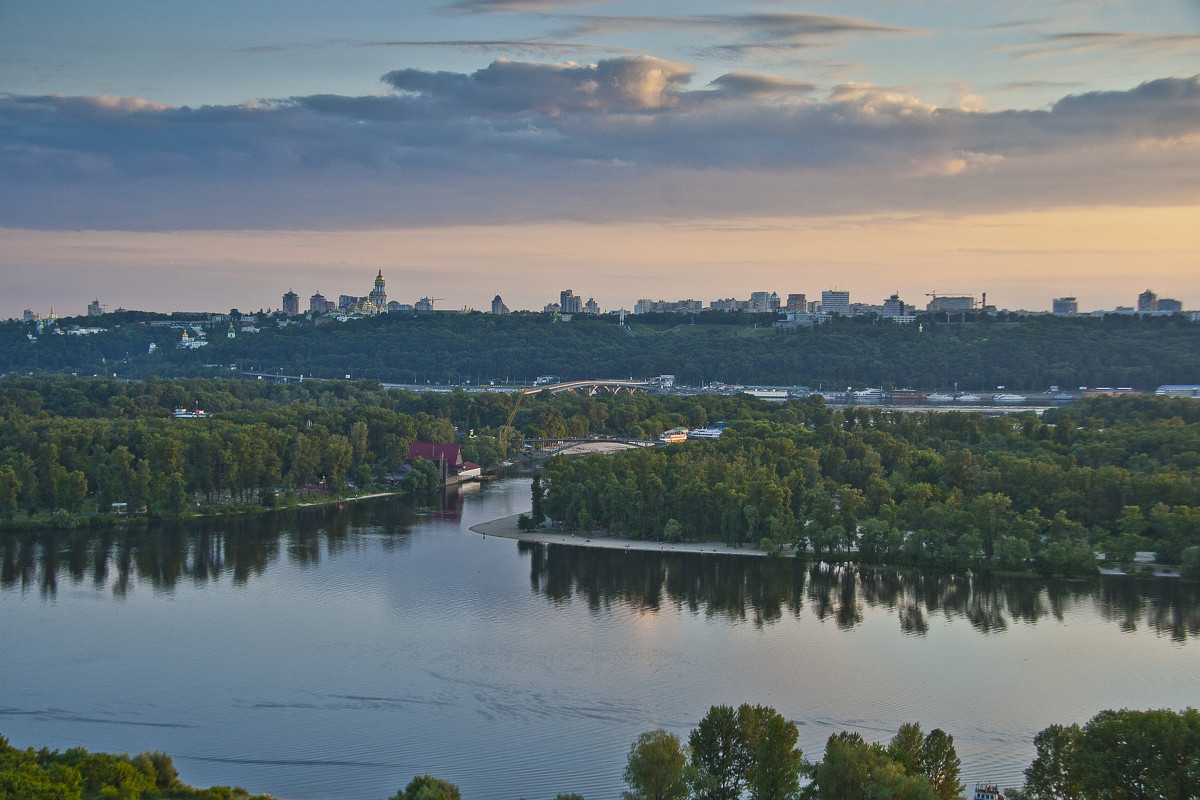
506, 527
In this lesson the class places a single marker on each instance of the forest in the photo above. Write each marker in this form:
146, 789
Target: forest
937, 489
1019, 353
747, 752
951, 489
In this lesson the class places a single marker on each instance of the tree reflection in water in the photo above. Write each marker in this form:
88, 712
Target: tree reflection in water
161, 554
761, 590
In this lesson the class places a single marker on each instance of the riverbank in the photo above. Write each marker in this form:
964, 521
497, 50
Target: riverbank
506, 527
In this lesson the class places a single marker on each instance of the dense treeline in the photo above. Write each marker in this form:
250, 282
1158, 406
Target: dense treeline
1019, 353
78, 444
957, 490
76, 774
747, 752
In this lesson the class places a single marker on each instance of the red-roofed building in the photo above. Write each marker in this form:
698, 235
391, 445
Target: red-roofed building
447, 457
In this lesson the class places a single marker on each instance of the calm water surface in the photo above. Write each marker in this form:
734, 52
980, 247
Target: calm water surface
335, 653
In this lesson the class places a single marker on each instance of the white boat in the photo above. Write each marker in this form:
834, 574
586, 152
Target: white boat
987, 791
183, 413
867, 396
705, 433
768, 394
968, 398
1008, 399
939, 397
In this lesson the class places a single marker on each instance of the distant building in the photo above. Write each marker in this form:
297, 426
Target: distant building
317, 304
893, 306
552, 308
1147, 301
591, 306
796, 302
29, 316
378, 296
93, 309
953, 304
291, 304
424, 304
569, 303
834, 301
1064, 306
667, 307
498, 306
761, 301
773, 302
1164, 304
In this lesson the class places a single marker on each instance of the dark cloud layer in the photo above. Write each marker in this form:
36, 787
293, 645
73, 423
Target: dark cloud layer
624, 139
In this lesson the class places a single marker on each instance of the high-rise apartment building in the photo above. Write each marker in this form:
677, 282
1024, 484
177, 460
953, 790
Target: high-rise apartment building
569, 303
1168, 305
834, 301
1064, 305
498, 306
1147, 301
291, 303
796, 302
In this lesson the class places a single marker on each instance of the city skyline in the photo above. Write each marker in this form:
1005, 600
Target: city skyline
207, 155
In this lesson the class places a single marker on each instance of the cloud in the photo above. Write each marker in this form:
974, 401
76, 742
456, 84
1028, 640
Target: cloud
623, 139
1102, 42
621, 84
777, 27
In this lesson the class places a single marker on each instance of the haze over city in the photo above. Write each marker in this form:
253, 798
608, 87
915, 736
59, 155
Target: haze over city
173, 156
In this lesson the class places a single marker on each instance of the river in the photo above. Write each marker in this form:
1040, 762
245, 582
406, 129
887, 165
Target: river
336, 652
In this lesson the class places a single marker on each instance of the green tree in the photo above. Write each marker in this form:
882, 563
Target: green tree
427, 787
538, 495
720, 754
656, 768
1055, 771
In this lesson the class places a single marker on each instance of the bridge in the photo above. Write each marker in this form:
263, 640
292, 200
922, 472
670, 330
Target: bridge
594, 387
563, 443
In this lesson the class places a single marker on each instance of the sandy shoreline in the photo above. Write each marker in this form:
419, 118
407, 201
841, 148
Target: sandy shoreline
506, 527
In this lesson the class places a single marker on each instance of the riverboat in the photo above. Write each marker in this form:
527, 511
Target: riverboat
184, 413
968, 398
768, 394
867, 396
705, 433
940, 397
674, 436
1008, 399
906, 396
987, 791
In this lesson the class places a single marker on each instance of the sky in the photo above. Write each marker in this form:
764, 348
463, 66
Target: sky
165, 155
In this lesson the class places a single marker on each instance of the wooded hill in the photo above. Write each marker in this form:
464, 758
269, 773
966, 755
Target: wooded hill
1026, 353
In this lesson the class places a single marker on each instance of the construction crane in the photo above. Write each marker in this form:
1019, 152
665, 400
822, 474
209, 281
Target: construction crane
503, 437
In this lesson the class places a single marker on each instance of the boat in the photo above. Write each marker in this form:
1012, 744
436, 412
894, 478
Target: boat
183, 413
705, 433
968, 398
867, 396
1008, 399
674, 436
939, 397
987, 791
906, 396
768, 394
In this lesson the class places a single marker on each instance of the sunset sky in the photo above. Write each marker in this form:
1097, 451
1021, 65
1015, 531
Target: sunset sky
200, 156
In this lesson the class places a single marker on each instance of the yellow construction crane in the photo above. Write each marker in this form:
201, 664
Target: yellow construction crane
504, 431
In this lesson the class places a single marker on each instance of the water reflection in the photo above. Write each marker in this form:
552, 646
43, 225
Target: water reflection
757, 590
763, 590
161, 555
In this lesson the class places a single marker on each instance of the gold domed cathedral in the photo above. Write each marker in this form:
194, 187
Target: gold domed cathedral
378, 296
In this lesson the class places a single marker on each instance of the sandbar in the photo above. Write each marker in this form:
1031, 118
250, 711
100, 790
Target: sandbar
506, 527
